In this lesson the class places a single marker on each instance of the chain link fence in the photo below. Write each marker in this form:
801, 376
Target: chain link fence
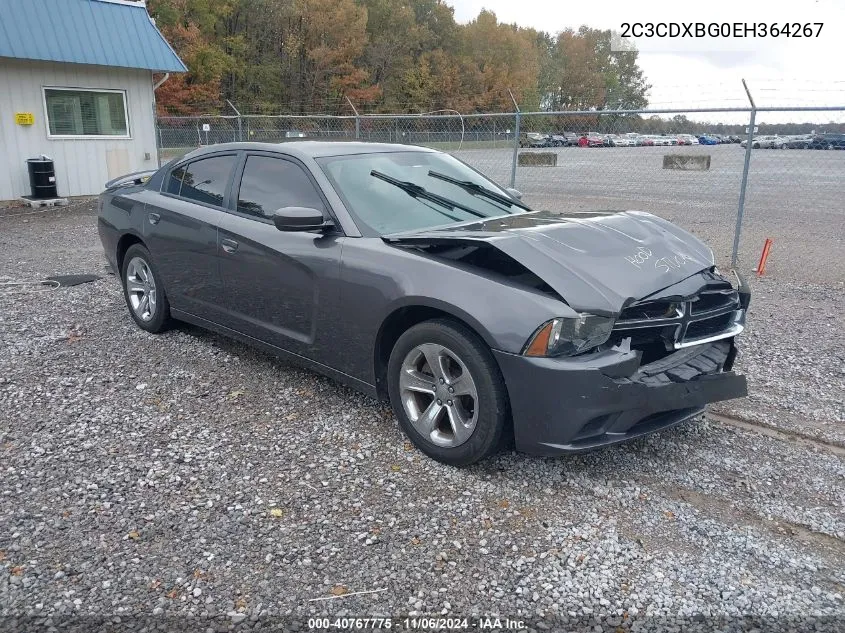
790, 189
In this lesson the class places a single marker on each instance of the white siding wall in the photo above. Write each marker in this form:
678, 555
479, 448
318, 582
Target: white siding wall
81, 164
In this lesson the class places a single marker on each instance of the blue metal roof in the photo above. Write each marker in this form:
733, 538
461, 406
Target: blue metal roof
102, 32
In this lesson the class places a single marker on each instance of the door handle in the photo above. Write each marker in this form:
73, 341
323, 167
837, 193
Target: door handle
230, 246
154, 218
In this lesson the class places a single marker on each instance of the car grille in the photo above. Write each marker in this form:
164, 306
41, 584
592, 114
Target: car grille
714, 300
659, 327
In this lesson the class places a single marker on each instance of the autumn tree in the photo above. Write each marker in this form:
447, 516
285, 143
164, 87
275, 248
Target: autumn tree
191, 27
582, 73
411, 56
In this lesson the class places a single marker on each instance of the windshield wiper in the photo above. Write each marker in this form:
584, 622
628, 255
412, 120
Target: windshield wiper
482, 192
416, 191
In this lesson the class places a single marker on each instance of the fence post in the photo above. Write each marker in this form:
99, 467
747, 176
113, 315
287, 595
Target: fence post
515, 140
357, 118
240, 126
744, 183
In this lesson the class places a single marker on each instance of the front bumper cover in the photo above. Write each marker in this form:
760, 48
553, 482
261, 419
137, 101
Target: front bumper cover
563, 405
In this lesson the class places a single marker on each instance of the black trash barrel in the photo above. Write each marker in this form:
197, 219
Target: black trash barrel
42, 178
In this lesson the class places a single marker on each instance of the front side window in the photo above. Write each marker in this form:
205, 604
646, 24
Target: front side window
205, 180
268, 184
86, 112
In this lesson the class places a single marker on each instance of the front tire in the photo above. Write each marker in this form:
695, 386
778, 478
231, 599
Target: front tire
143, 290
448, 393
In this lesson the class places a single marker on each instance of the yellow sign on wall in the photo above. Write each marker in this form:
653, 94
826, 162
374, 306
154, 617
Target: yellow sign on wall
24, 118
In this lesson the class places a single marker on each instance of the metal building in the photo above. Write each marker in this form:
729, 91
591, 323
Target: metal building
76, 85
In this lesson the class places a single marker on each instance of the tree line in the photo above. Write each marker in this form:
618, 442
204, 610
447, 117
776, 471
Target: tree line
401, 56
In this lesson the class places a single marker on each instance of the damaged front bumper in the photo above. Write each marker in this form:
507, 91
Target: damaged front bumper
562, 405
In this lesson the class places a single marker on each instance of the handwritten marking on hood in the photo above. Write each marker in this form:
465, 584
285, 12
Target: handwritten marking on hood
640, 257
665, 264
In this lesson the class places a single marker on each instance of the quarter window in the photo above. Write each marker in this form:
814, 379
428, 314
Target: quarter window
174, 183
205, 180
86, 112
268, 184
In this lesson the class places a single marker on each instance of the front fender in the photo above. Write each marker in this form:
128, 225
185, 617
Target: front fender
459, 312
502, 312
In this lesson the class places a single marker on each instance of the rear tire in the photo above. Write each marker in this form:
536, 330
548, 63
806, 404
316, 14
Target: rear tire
143, 290
448, 393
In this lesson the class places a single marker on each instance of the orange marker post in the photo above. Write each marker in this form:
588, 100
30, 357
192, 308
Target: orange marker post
761, 267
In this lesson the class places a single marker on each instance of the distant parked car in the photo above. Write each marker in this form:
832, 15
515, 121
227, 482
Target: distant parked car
828, 141
687, 139
801, 141
636, 139
775, 142
708, 140
571, 139
558, 140
591, 140
761, 142
534, 139
623, 141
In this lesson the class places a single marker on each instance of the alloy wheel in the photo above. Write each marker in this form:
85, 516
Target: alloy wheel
141, 288
439, 395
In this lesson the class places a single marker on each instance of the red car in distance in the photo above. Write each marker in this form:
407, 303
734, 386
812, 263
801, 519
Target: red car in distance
591, 140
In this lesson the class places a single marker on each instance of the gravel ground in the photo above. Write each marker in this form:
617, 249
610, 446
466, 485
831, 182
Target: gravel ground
188, 475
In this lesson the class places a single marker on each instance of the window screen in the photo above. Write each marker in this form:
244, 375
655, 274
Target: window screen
205, 180
268, 184
86, 113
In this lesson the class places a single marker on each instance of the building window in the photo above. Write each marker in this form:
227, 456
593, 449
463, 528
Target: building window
81, 113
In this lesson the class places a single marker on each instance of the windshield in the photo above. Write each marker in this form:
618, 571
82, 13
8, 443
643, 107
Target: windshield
380, 207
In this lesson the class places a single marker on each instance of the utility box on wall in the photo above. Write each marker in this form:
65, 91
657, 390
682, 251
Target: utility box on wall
24, 118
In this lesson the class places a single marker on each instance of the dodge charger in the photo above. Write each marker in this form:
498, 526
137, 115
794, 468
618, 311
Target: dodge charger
404, 273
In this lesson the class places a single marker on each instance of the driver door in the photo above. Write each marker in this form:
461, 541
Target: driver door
279, 287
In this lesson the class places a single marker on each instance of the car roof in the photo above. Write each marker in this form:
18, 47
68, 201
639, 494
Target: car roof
311, 149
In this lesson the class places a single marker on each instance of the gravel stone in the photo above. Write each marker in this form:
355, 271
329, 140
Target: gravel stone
182, 499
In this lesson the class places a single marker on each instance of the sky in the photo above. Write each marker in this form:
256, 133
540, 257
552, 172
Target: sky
707, 73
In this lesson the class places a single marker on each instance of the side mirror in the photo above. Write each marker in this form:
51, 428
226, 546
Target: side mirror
514, 193
300, 219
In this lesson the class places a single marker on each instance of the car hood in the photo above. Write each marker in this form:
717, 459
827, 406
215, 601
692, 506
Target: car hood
598, 262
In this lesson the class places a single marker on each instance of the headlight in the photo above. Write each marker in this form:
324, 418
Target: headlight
567, 336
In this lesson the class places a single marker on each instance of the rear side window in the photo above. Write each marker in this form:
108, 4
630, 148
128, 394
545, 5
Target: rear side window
174, 183
268, 184
205, 180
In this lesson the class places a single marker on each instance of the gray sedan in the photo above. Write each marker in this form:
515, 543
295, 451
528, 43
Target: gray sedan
409, 276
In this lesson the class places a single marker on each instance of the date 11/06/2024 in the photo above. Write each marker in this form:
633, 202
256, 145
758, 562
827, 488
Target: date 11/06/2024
416, 623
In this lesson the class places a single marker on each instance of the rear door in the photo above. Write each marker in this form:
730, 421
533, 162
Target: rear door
181, 231
280, 287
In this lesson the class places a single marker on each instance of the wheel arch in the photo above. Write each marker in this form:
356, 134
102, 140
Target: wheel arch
126, 240
407, 315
